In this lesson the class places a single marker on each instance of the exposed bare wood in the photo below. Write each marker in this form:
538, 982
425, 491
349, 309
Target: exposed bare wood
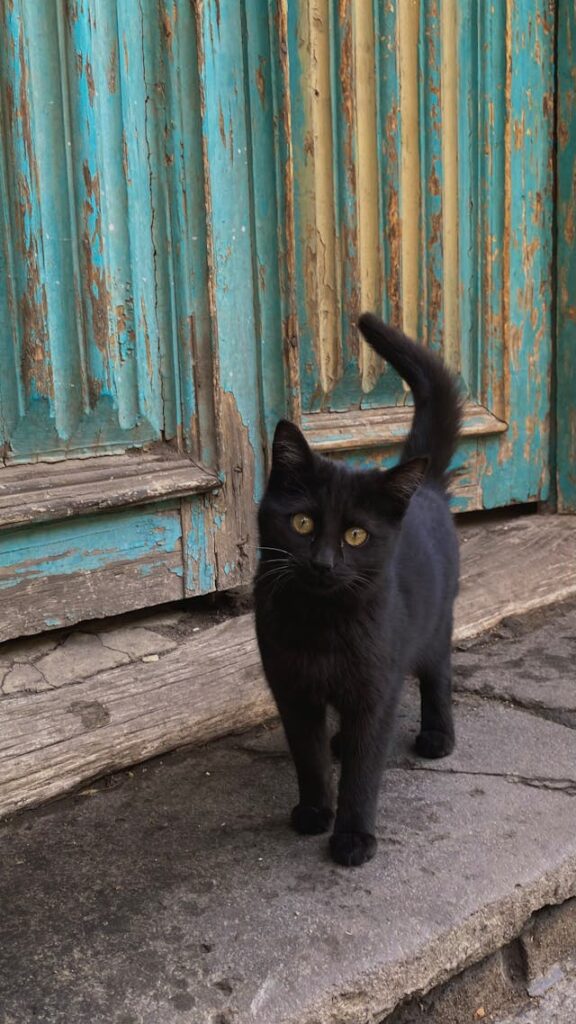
449, 106
514, 566
54, 740
212, 684
52, 601
408, 28
59, 490
369, 256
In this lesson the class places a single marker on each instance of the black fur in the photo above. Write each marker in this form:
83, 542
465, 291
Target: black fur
343, 626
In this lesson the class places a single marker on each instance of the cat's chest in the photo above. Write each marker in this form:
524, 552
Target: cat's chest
323, 658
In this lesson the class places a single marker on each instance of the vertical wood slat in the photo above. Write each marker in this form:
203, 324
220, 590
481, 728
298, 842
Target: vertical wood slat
451, 344
389, 129
182, 233
319, 305
468, 276
268, 96
229, 524
523, 453
368, 190
565, 267
345, 109
431, 321
408, 31
496, 110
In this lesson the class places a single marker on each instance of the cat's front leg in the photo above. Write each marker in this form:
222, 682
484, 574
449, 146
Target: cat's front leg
364, 741
304, 723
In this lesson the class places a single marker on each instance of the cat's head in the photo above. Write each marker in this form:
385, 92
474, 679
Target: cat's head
326, 528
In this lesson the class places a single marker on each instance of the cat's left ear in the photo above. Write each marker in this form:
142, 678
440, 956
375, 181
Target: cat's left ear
291, 453
401, 482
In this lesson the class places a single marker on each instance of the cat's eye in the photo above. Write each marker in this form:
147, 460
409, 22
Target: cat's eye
355, 536
302, 523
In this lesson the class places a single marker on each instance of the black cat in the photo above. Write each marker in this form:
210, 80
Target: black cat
354, 590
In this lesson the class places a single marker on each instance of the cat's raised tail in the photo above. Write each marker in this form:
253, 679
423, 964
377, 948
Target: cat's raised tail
437, 402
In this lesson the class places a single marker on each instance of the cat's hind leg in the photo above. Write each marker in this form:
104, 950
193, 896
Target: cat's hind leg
436, 737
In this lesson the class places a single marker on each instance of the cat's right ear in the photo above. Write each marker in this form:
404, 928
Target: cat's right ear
291, 454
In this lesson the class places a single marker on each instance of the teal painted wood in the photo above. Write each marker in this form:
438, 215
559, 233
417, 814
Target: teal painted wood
105, 297
139, 230
121, 537
224, 70
389, 126
517, 469
494, 221
468, 193
345, 176
306, 376
565, 267
181, 170
161, 278
76, 370
228, 199
271, 194
504, 158
388, 389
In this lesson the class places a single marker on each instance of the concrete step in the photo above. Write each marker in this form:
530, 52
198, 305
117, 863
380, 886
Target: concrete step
531, 980
176, 893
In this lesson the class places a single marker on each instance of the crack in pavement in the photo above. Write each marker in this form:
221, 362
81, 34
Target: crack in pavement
567, 786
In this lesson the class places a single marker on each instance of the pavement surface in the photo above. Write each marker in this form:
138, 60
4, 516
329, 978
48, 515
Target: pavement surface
176, 892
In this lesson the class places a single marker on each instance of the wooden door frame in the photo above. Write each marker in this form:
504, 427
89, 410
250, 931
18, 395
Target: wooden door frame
564, 444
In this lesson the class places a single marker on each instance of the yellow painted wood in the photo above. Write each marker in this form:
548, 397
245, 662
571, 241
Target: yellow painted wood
449, 107
369, 248
408, 30
320, 257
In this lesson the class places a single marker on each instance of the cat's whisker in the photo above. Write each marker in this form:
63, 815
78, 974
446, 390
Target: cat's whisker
280, 581
272, 572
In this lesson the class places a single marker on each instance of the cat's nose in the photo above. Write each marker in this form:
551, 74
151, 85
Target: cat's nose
323, 564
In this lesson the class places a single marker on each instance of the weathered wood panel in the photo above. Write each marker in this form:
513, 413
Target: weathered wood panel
444, 225
60, 490
565, 268
129, 308
212, 683
56, 574
126, 715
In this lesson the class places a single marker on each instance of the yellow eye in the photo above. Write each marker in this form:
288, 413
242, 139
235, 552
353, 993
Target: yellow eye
302, 523
355, 536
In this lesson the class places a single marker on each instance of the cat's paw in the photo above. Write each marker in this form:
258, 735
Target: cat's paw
311, 821
352, 848
336, 745
433, 744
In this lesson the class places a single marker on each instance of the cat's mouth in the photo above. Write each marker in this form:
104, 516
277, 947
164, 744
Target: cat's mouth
317, 584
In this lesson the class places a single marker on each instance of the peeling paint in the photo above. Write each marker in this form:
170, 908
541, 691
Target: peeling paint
261, 81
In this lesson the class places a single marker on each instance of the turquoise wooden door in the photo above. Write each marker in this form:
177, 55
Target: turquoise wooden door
196, 200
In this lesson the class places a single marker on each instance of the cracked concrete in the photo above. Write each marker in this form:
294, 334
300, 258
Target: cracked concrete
176, 892
33, 665
528, 662
555, 1005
